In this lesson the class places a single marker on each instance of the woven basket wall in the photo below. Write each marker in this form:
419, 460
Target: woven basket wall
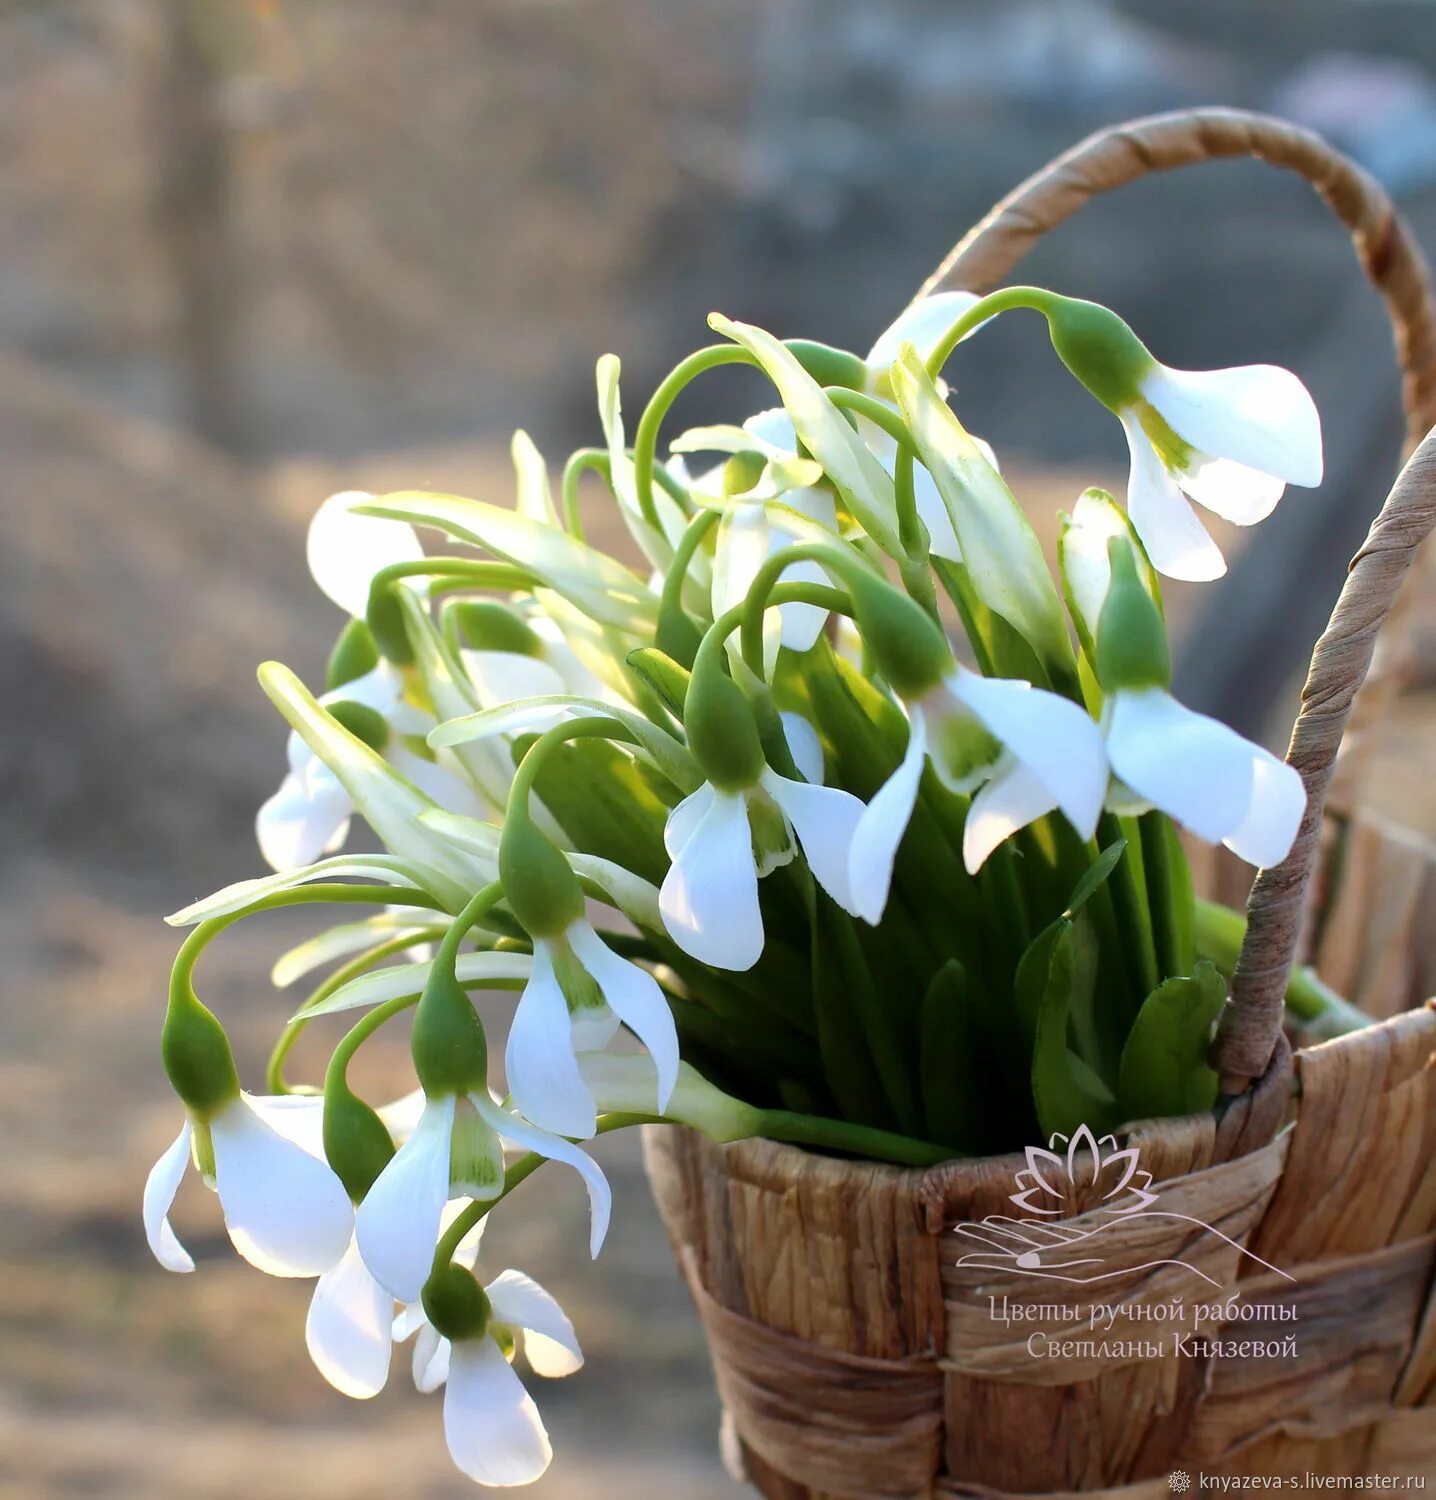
856, 1357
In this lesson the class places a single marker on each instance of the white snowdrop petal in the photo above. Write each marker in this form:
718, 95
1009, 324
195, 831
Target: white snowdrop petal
922, 323
286, 1211
297, 1117
1265, 836
1260, 416
550, 1344
709, 898
1010, 800
349, 1328
932, 511
634, 997
685, 818
493, 1429
1055, 738
397, 1224
772, 432
539, 1060
825, 819
160, 1188
880, 829
294, 826
345, 551
1176, 541
804, 746
438, 783
530, 1138
1231, 490
1192, 767
500, 677
431, 1359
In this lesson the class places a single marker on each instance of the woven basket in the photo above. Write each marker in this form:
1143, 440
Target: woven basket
1278, 1316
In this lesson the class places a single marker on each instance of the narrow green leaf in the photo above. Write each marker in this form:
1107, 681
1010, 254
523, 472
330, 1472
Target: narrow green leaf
1066, 1091
954, 1073
1094, 877
663, 675
1164, 1064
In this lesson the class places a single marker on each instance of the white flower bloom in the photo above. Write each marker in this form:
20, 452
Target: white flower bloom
1028, 752
348, 1331
922, 324
493, 1429
1231, 440
309, 815
1203, 774
500, 677
456, 1149
579, 994
721, 842
345, 550
285, 1209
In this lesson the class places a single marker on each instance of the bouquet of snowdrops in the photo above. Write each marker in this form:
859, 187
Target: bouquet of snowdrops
848, 884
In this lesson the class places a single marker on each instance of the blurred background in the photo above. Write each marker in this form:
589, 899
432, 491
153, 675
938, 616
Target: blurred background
256, 252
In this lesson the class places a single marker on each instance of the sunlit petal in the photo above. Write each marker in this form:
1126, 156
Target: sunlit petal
880, 829
1176, 541
1010, 800
160, 1188
493, 1429
709, 898
550, 1344
349, 1328
345, 551
539, 1060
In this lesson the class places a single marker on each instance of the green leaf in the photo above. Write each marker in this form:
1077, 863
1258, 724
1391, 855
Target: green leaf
952, 1062
663, 675
1060, 968
866, 487
590, 580
1164, 1064
1094, 877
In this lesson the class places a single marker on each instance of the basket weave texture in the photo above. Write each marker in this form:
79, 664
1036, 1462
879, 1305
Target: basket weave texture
1274, 1314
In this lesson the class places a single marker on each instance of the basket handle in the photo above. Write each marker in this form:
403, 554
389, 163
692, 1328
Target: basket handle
1250, 1026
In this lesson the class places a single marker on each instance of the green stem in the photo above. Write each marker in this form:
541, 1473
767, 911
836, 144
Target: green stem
593, 727
1133, 921
856, 1140
1161, 895
645, 440
995, 302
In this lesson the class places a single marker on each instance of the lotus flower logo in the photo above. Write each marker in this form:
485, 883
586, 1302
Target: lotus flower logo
1057, 1239
1053, 1177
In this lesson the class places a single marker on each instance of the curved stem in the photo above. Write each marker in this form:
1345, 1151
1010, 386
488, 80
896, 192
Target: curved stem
594, 727
995, 302
688, 545
645, 440
586, 460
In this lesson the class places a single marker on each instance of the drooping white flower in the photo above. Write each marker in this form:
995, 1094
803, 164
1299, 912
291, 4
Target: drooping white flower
456, 1149
345, 550
722, 842
764, 518
285, 1209
491, 1424
348, 1331
1202, 774
1025, 751
580, 992
551, 667
1231, 440
309, 815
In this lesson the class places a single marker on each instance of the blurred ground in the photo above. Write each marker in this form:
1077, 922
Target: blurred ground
255, 253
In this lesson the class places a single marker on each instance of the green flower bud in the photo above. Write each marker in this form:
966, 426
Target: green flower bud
197, 1057
540, 887
741, 472
385, 617
353, 655
1099, 349
456, 1304
484, 625
364, 723
907, 644
829, 366
450, 1051
722, 732
1132, 647
356, 1141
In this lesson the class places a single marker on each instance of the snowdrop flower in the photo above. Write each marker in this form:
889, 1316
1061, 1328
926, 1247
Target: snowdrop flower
491, 1424
345, 550
1023, 751
1163, 755
285, 1210
309, 815
456, 1149
740, 825
1231, 440
348, 1331
766, 493
509, 658
579, 994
